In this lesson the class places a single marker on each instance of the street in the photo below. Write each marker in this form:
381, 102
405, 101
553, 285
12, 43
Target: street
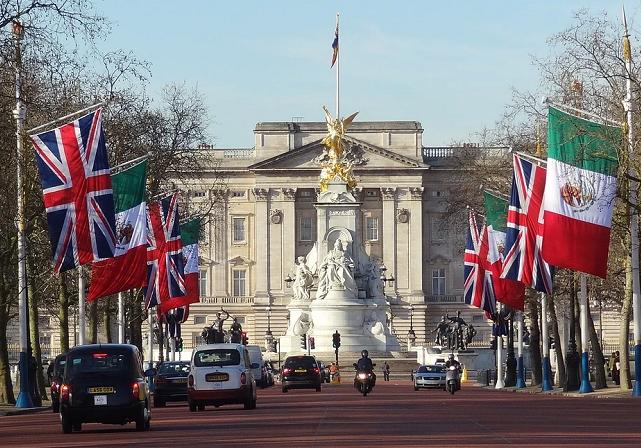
393, 415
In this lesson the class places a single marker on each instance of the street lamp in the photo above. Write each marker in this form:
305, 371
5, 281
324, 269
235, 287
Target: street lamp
411, 336
269, 320
288, 280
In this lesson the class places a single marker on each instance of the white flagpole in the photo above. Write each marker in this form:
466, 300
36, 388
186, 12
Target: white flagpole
634, 218
520, 368
586, 387
500, 384
546, 383
338, 78
150, 341
81, 307
121, 318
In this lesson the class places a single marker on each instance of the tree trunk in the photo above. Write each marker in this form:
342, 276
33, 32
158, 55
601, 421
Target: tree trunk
34, 333
624, 328
6, 386
535, 342
93, 321
597, 355
107, 319
63, 313
560, 361
136, 335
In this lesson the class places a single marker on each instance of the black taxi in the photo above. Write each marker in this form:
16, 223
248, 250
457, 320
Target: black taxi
104, 383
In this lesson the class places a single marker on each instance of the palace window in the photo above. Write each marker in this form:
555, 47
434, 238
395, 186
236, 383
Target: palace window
199, 194
202, 282
239, 279
238, 230
371, 229
438, 282
237, 194
305, 228
200, 320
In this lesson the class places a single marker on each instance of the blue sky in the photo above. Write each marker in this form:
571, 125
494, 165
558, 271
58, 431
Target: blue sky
450, 65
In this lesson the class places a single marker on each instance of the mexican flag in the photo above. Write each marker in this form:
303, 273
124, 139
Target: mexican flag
189, 233
579, 192
128, 268
509, 292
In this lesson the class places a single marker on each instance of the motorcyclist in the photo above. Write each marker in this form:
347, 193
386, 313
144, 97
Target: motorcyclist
452, 362
365, 365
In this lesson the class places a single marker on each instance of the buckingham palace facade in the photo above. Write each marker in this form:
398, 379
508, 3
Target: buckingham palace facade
264, 218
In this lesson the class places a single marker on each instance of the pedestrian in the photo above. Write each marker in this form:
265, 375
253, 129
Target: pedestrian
333, 370
616, 369
386, 370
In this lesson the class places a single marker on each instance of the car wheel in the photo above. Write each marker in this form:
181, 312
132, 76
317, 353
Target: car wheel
415, 388
192, 406
201, 407
77, 426
141, 420
318, 388
67, 424
285, 389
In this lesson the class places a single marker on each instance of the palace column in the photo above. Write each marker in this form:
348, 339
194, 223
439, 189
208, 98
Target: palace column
389, 230
261, 268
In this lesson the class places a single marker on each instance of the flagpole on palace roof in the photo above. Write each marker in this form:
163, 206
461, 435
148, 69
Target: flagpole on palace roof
338, 78
634, 218
19, 113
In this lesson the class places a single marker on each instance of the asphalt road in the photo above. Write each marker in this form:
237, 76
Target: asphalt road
393, 415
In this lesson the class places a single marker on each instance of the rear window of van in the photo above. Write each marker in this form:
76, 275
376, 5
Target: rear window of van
217, 357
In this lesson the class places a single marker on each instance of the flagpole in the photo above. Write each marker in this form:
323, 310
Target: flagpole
520, 367
52, 123
500, 384
546, 384
634, 218
24, 397
586, 387
121, 318
150, 341
604, 121
338, 78
81, 306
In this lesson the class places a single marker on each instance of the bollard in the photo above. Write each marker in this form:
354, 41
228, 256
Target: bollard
464, 375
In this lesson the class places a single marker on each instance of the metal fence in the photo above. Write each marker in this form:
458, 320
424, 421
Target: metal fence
48, 352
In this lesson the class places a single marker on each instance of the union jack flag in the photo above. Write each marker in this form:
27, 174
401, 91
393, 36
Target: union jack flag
479, 290
76, 188
523, 259
165, 264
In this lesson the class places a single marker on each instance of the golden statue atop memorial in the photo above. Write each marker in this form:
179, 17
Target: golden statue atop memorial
336, 150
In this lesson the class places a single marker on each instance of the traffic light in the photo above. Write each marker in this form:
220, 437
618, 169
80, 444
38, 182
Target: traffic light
312, 344
180, 344
244, 337
336, 340
303, 341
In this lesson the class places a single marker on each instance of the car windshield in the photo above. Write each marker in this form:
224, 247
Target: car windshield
306, 362
174, 369
217, 357
98, 362
430, 369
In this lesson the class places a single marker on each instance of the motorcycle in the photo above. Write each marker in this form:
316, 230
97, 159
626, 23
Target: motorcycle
364, 380
452, 379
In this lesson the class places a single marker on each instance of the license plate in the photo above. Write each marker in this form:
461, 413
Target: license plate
210, 377
101, 390
300, 370
179, 381
100, 400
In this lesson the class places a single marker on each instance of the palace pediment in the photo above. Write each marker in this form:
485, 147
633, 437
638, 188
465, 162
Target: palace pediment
363, 156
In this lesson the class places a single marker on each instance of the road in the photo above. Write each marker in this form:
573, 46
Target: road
392, 416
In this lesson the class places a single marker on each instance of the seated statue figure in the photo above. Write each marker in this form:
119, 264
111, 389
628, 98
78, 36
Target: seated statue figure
336, 272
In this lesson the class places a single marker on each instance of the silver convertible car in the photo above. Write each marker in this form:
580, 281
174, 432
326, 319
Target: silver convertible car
429, 376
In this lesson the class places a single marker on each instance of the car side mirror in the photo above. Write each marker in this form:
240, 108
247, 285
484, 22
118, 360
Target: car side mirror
373, 364
151, 372
254, 365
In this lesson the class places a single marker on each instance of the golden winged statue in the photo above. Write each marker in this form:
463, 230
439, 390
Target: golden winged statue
334, 144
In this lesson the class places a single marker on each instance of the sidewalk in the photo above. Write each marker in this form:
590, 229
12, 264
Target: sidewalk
612, 391
10, 409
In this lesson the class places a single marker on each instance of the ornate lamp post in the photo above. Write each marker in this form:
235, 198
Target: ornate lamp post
269, 338
510, 363
411, 336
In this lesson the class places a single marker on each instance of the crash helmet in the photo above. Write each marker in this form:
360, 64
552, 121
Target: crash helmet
451, 357
364, 354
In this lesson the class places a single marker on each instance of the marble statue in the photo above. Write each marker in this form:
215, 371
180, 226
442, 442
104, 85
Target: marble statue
303, 281
302, 325
374, 282
336, 272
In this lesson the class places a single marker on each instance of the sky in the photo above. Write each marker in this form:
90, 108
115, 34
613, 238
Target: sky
452, 66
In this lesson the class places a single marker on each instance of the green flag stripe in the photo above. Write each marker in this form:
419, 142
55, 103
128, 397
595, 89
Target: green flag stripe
129, 187
190, 231
495, 211
584, 144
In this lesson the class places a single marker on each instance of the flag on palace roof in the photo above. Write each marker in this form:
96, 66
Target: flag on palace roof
580, 190
189, 233
523, 259
128, 268
165, 264
335, 45
76, 188
507, 291
479, 291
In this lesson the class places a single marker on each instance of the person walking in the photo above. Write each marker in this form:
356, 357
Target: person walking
616, 368
386, 371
